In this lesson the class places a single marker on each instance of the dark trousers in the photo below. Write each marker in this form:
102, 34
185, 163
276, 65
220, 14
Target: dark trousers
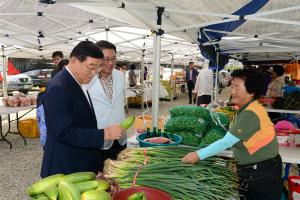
191, 87
114, 151
204, 99
262, 180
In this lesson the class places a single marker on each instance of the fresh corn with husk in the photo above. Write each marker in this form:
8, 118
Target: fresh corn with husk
43, 184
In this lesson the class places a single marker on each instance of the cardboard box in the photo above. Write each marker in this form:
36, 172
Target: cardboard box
141, 126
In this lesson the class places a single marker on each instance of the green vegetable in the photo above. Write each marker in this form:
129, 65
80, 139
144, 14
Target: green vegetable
209, 179
52, 192
103, 185
68, 191
127, 122
189, 138
190, 111
79, 177
42, 197
212, 135
137, 196
86, 185
185, 123
96, 195
219, 119
43, 184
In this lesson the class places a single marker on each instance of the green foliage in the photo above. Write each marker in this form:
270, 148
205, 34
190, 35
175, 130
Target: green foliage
212, 135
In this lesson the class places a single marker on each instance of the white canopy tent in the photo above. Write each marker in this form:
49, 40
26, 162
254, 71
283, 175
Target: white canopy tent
270, 34
274, 29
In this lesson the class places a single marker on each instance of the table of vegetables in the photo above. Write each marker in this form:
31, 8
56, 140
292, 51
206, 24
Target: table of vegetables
158, 167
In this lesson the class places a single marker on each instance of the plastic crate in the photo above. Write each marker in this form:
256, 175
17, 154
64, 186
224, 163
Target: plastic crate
29, 128
294, 187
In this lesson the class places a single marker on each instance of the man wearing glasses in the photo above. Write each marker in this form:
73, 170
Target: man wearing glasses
107, 90
74, 143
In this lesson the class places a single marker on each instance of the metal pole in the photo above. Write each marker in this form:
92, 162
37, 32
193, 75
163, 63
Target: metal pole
4, 72
156, 75
106, 29
142, 77
156, 78
172, 81
216, 79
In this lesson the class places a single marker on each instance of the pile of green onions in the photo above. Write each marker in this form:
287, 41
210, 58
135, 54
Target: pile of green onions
212, 178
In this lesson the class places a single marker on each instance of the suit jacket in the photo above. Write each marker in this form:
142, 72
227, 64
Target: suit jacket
73, 140
194, 75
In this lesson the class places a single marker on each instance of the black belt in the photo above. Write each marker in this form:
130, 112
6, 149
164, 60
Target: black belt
260, 165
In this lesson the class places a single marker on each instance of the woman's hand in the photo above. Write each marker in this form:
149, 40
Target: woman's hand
191, 158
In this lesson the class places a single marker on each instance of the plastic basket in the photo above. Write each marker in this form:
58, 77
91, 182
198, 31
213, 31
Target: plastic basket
150, 193
29, 128
141, 138
294, 187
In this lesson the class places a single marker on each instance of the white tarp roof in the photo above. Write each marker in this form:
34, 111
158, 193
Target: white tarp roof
271, 33
65, 23
25, 34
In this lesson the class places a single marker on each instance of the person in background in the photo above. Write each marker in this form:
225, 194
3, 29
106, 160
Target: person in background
118, 66
57, 56
253, 140
275, 88
182, 87
74, 143
145, 73
107, 91
204, 86
267, 78
123, 68
132, 76
191, 78
63, 63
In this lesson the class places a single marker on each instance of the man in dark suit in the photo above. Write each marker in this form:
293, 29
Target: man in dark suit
191, 78
73, 141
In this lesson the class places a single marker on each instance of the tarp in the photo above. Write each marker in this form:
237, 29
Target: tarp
209, 52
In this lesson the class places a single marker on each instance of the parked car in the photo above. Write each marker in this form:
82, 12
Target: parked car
39, 77
19, 82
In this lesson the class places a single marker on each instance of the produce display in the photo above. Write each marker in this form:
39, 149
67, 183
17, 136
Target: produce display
137, 196
167, 86
161, 168
76, 186
212, 135
192, 111
194, 124
19, 100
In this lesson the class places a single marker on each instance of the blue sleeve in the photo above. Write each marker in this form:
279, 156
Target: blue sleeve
227, 141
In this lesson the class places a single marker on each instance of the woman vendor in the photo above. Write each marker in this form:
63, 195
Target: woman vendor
253, 140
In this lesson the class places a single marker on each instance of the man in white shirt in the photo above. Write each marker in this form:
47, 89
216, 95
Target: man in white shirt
204, 86
107, 90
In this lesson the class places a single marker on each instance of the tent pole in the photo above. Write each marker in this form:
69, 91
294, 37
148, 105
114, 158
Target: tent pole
156, 75
4, 72
217, 77
106, 29
142, 76
172, 81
